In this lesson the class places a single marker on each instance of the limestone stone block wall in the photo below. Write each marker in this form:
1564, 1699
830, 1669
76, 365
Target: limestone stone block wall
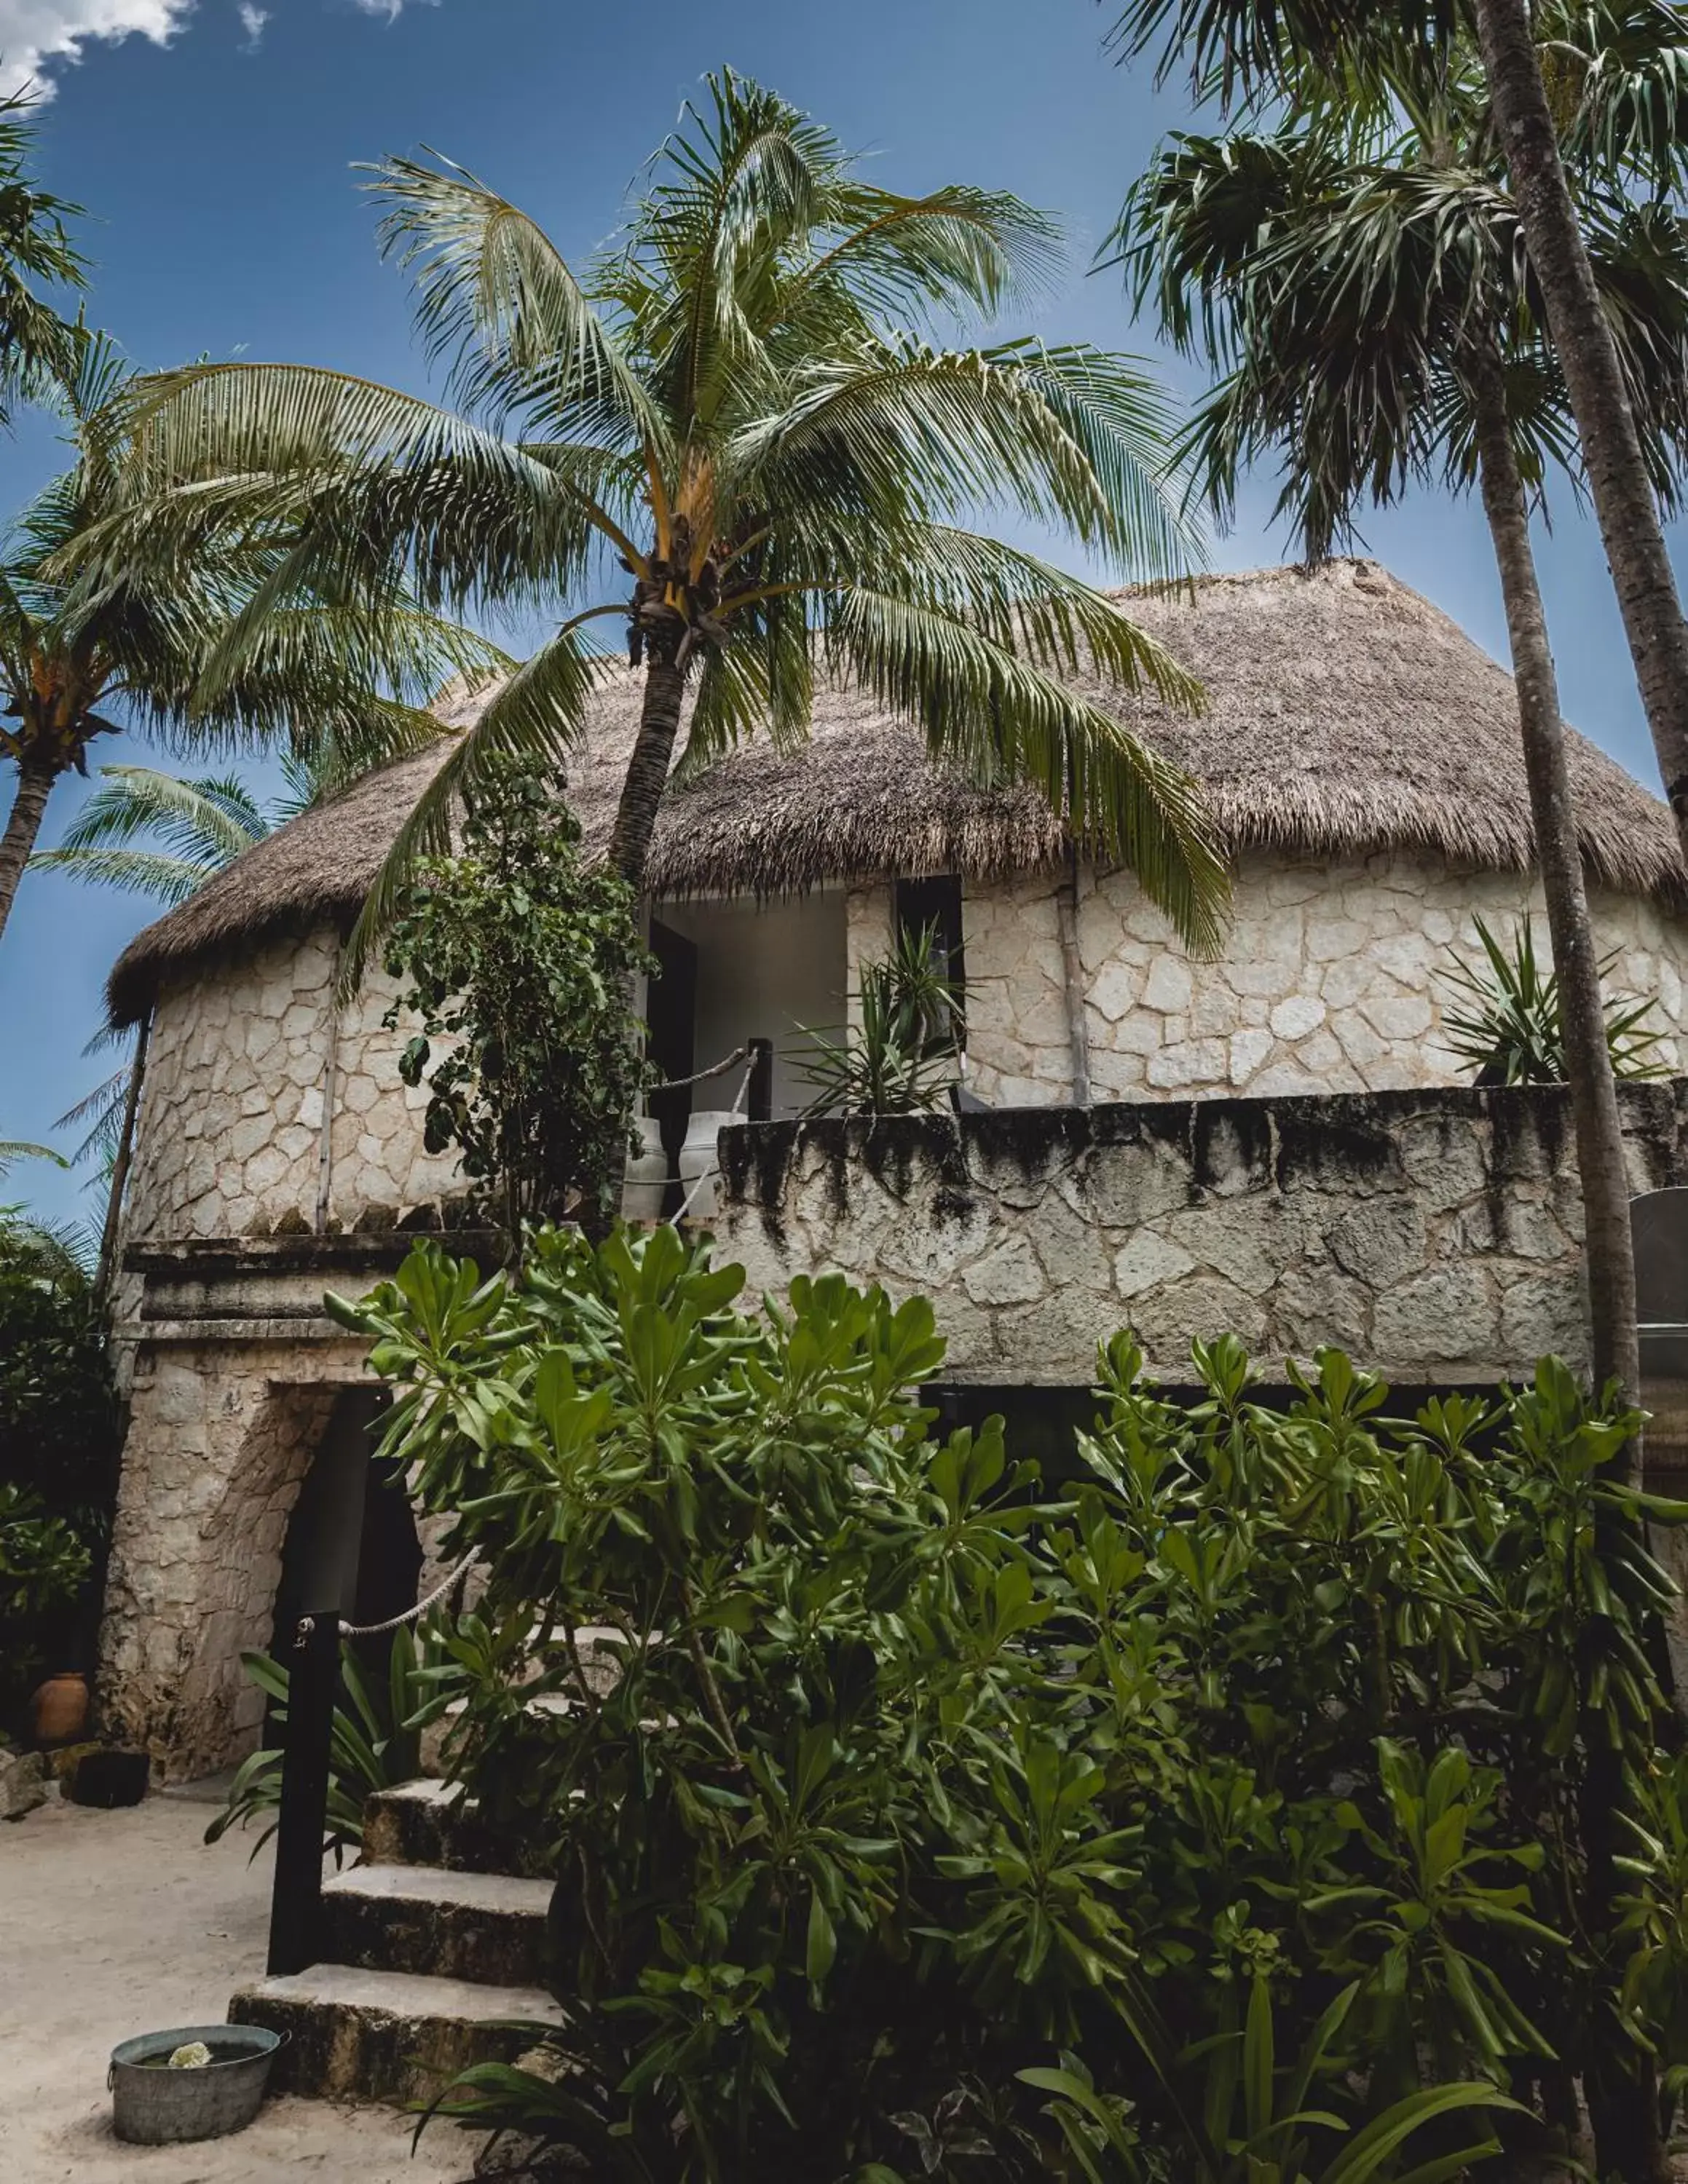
238, 1084
1328, 980
1432, 1233
220, 1436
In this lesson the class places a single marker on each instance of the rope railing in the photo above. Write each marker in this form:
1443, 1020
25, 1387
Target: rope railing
307, 1623
313, 1688
703, 1076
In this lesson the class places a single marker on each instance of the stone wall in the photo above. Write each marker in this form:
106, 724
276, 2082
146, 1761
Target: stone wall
231, 1135
1433, 1234
235, 1370
220, 1436
1328, 982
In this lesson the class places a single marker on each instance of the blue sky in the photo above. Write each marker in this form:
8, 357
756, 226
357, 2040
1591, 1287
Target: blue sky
212, 146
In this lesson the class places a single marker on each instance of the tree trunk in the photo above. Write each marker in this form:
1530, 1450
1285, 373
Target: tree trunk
35, 784
1609, 1249
1606, 425
647, 772
106, 1273
1621, 2090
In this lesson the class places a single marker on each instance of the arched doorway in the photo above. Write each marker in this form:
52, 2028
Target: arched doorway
351, 1543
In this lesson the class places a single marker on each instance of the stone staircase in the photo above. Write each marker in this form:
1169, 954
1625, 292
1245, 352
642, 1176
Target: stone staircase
432, 1946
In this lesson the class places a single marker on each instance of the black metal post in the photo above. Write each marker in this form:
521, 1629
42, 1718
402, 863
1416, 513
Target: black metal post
761, 1100
313, 1665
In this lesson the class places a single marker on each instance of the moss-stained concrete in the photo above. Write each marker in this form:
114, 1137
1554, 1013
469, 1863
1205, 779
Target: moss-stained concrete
1435, 1232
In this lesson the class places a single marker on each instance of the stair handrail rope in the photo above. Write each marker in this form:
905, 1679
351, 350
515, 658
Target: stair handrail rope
679, 1083
714, 1169
307, 1624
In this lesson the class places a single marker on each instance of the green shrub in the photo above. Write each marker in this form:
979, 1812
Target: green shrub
903, 1052
1224, 1818
1504, 1020
520, 962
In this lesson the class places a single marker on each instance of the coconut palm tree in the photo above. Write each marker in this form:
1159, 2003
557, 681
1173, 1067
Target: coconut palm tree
738, 434
39, 349
1356, 275
195, 826
199, 824
1572, 86
222, 645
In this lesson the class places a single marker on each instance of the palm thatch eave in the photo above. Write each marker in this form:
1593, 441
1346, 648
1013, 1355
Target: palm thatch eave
1344, 716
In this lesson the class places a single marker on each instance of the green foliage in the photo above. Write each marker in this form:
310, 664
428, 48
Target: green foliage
59, 1436
1509, 1029
903, 1053
520, 961
754, 432
43, 1564
191, 829
904, 1823
375, 1739
37, 345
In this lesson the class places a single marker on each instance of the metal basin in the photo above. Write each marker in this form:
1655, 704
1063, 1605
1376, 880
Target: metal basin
153, 2105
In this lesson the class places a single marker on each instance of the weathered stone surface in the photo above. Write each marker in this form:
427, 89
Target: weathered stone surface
1429, 1232
391, 2036
23, 1784
1327, 981
487, 1927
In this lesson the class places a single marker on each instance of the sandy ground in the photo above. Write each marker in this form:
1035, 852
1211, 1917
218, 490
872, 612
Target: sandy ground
117, 1922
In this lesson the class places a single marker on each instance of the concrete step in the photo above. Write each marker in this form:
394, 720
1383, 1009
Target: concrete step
433, 1823
486, 1927
392, 2037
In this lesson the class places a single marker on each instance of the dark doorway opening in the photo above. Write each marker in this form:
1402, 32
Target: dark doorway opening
351, 1543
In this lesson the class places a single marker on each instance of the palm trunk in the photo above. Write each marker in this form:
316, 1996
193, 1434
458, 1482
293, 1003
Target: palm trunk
35, 784
1620, 2088
1606, 425
647, 772
1608, 1250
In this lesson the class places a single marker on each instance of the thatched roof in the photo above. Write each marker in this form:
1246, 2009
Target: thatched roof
1344, 714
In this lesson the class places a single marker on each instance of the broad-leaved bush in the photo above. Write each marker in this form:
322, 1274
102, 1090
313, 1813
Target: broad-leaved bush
1217, 1814
520, 961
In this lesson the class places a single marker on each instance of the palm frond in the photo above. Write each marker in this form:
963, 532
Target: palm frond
540, 712
99, 1116
1000, 717
212, 817
497, 298
61, 1254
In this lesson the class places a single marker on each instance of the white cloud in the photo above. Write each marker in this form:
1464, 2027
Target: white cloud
34, 32
390, 9
252, 21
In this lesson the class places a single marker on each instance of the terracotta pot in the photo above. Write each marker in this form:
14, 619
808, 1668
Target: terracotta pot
58, 1711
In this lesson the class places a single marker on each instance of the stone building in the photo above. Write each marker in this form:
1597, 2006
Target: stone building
1362, 756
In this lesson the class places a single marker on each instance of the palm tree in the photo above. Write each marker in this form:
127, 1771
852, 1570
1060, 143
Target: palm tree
1356, 276
196, 826
727, 426
200, 825
225, 643
1613, 73
37, 347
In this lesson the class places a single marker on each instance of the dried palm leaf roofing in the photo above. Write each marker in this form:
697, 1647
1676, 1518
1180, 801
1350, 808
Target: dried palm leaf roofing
1345, 715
